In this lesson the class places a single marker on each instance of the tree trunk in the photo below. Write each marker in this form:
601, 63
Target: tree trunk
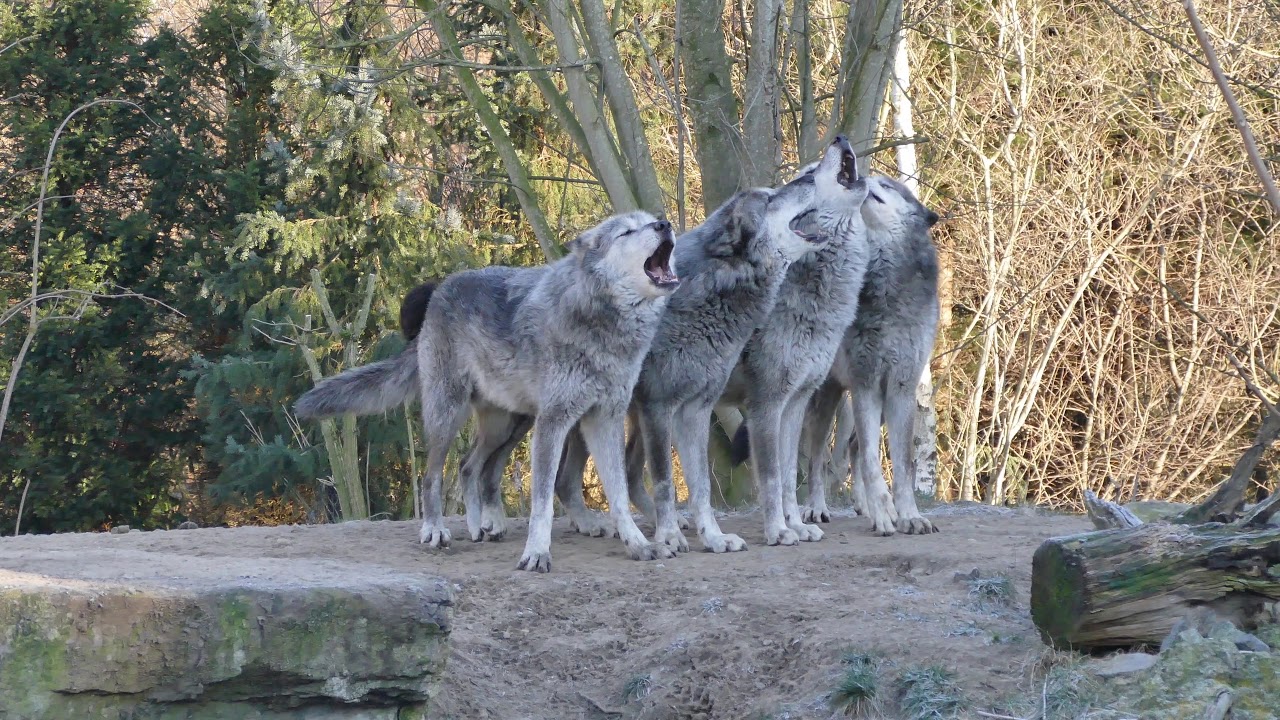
516, 171
1119, 588
713, 106
622, 102
612, 174
870, 35
763, 147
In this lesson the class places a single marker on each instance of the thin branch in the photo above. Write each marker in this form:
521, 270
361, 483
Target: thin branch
15, 43
1237, 114
22, 504
682, 130
65, 294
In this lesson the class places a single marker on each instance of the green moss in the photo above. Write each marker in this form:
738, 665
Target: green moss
32, 649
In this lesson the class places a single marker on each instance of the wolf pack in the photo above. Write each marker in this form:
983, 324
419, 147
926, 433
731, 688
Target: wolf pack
778, 303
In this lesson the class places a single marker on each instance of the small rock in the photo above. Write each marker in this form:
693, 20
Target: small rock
119, 529
188, 525
1122, 664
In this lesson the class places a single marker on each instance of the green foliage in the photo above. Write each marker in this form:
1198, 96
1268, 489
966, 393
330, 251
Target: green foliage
99, 422
260, 152
929, 693
856, 691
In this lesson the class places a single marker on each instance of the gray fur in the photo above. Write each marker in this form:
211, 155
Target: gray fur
740, 258
368, 389
732, 266
882, 357
790, 355
563, 343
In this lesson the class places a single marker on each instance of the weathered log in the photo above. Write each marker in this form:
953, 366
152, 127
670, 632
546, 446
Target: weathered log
1107, 515
1125, 587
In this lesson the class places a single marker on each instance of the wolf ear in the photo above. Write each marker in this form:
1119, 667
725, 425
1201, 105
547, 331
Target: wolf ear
585, 241
747, 214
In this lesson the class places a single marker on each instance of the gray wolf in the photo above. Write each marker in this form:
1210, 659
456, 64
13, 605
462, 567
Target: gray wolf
562, 343
734, 264
731, 267
881, 359
790, 354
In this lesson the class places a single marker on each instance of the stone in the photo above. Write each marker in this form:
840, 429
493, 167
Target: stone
1122, 664
240, 639
188, 525
120, 530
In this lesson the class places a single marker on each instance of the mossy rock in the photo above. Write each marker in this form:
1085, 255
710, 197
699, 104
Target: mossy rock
345, 646
1188, 677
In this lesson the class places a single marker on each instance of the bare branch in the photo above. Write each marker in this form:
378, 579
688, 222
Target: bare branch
1242, 123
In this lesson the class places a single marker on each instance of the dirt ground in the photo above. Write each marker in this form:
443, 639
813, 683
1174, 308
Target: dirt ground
758, 634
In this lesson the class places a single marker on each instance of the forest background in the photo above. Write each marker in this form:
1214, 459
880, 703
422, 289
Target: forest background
207, 204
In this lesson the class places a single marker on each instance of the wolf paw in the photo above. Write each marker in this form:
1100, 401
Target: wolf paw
682, 521
816, 513
493, 526
806, 532
781, 536
723, 543
884, 516
433, 536
592, 524
915, 526
473, 528
650, 551
535, 562
672, 538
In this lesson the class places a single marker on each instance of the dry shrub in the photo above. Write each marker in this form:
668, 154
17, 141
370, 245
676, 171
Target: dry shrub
1091, 176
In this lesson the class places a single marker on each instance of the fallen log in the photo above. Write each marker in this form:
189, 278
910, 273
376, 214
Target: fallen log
1125, 587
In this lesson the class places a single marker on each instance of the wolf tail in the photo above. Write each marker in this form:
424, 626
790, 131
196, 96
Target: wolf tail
414, 309
365, 390
740, 446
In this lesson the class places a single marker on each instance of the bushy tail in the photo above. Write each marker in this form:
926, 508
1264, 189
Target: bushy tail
364, 390
740, 446
414, 309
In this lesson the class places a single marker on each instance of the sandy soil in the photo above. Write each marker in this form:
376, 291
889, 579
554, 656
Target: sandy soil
748, 635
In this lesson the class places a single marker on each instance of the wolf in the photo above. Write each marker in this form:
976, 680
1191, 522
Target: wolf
791, 353
562, 343
881, 359
732, 266
740, 273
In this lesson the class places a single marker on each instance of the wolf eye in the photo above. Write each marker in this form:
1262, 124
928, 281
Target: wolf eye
876, 198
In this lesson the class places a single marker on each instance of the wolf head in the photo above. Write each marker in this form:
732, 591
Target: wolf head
762, 223
892, 209
838, 190
630, 252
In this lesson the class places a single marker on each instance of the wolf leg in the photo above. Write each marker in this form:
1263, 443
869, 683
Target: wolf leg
569, 489
693, 436
821, 410
655, 431
549, 431
900, 416
867, 407
764, 424
789, 461
493, 516
603, 430
444, 410
495, 429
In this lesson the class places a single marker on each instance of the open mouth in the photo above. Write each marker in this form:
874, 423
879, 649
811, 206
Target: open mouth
848, 174
806, 226
658, 265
